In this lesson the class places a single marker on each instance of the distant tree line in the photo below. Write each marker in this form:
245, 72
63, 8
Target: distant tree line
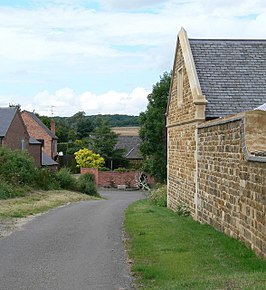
80, 126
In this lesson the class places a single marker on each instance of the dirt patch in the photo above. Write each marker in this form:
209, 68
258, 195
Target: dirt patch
8, 226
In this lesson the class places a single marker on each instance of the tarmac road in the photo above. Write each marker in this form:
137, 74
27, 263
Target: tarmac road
77, 247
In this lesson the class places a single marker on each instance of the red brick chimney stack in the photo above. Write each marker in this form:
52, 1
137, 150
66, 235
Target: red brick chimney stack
52, 125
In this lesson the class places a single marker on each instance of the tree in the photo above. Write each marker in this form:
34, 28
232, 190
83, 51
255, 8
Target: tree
152, 129
104, 141
46, 120
81, 124
87, 158
84, 128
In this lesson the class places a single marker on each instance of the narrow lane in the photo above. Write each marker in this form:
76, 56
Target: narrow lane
75, 247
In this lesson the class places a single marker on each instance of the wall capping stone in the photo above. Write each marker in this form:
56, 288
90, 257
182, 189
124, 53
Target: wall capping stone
239, 117
220, 121
247, 154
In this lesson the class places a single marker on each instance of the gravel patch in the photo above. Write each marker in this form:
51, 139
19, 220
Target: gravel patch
8, 226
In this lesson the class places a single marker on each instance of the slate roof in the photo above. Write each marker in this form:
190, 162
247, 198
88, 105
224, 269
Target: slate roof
33, 141
47, 130
131, 146
47, 161
232, 74
6, 117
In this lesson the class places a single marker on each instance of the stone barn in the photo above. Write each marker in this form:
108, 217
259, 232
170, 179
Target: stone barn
216, 141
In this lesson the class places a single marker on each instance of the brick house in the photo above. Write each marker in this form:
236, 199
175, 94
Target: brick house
14, 134
210, 167
40, 132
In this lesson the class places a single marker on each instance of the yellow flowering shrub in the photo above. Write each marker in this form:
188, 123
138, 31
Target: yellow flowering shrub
87, 158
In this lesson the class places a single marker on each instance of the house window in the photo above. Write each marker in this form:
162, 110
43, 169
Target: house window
180, 77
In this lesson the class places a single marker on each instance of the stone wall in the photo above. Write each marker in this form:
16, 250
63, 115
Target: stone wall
181, 165
186, 110
181, 125
116, 179
211, 168
231, 182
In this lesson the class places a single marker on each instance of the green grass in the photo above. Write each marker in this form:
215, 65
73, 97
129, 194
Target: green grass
38, 202
175, 252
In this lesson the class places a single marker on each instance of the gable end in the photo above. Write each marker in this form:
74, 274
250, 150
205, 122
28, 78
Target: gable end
199, 100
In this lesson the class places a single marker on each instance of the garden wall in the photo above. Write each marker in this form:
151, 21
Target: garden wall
231, 177
115, 179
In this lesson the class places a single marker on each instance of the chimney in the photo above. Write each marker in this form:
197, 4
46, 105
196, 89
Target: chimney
52, 125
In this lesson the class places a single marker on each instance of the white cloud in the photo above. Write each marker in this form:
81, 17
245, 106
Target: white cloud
66, 102
72, 43
130, 4
59, 31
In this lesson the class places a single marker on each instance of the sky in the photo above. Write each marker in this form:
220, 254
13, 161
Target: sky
59, 57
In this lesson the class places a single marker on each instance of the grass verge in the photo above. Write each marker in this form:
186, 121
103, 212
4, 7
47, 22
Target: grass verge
175, 252
37, 202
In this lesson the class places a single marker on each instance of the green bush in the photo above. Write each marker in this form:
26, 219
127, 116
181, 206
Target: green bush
104, 169
5, 190
17, 167
86, 184
66, 180
46, 179
10, 191
18, 175
87, 158
158, 195
121, 169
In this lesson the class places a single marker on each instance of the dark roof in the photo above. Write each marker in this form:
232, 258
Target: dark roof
47, 161
33, 141
131, 146
47, 130
232, 74
6, 117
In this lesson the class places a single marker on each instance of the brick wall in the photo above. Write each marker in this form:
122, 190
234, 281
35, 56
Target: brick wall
16, 133
231, 192
114, 178
35, 151
38, 132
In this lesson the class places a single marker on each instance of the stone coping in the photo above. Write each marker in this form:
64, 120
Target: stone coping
259, 156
